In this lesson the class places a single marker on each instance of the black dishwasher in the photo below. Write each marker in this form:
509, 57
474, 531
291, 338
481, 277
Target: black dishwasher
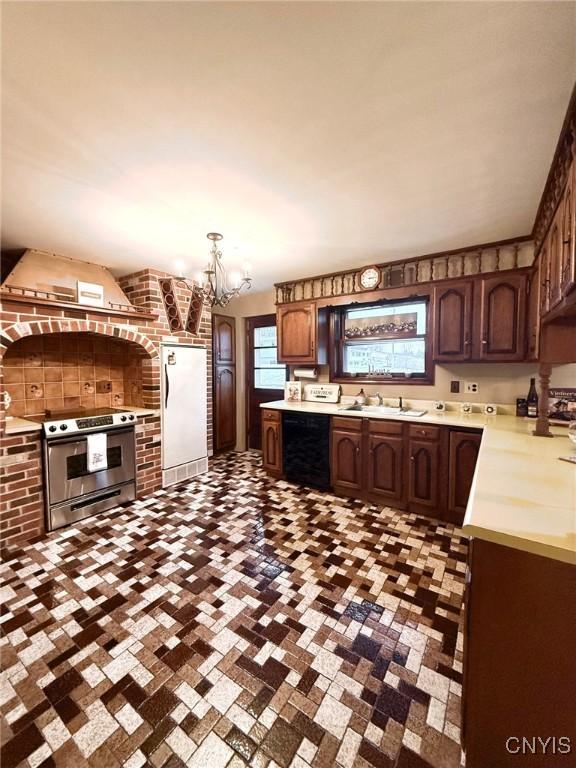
306, 444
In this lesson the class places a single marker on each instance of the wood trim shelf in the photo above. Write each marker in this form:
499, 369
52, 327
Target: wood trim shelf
72, 306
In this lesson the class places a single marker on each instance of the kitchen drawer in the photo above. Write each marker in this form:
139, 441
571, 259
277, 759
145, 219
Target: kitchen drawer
350, 424
424, 432
377, 426
269, 415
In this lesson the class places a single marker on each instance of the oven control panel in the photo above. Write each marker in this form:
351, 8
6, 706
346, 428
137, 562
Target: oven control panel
96, 421
77, 426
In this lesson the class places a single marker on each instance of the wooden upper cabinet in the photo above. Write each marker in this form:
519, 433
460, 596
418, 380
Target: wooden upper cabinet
386, 468
568, 236
555, 257
223, 337
543, 269
301, 333
453, 322
502, 306
533, 314
464, 447
346, 465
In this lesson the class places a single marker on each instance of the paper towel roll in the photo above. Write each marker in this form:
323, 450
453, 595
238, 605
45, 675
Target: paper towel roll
305, 373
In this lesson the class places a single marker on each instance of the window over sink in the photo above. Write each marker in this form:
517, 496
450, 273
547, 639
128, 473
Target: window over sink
383, 342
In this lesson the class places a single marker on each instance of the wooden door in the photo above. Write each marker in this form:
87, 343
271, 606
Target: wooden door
568, 239
464, 447
272, 442
502, 318
555, 259
224, 407
385, 468
265, 377
224, 382
297, 333
224, 339
424, 473
453, 322
346, 464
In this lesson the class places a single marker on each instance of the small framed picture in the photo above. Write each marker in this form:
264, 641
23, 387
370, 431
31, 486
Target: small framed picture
293, 391
90, 294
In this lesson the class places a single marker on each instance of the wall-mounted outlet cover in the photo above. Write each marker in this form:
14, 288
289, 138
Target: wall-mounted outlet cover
471, 387
455, 387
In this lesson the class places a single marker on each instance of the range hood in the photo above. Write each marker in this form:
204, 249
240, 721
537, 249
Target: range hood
50, 276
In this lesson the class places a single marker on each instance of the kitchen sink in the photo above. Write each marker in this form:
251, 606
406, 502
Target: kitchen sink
384, 410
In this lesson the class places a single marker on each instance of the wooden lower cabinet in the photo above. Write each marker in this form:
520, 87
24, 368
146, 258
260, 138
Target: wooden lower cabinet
224, 407
424, 468
463, 453
424, 474
385, 481
346, 456
272, 442
519, 661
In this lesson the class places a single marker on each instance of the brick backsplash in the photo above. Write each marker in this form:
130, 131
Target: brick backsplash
60, 371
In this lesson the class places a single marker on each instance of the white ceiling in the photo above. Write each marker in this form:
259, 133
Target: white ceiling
314, 136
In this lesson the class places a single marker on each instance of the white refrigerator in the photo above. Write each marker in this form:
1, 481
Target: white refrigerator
184, 412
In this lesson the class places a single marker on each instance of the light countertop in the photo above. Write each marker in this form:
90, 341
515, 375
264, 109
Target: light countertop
16, 425
522, 496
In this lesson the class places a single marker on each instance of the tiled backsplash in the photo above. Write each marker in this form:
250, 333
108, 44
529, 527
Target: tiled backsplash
58, 371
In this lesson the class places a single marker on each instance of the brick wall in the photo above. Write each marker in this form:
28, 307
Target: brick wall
21, 498
21, 480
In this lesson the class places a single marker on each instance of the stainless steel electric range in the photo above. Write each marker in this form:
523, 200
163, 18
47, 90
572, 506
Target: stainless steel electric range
74, 490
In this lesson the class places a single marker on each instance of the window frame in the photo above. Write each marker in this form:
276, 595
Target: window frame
255, 367
337, 342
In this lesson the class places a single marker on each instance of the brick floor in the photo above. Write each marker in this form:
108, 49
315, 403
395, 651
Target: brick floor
235, 620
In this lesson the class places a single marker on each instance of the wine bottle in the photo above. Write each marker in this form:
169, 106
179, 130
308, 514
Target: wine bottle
532, 400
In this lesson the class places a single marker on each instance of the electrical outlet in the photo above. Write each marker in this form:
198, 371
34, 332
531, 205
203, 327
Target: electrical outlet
471, 387
455, 387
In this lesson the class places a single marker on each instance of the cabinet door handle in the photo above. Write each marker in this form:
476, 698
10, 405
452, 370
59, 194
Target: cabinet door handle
466, 342
357, 449
484, 341
412, 458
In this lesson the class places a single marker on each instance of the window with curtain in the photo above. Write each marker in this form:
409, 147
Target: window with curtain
268, 372
387, 341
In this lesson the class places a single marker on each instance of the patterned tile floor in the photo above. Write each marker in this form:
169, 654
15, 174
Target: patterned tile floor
235, 621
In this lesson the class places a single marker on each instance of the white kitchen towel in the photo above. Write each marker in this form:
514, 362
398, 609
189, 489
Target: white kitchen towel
96, 451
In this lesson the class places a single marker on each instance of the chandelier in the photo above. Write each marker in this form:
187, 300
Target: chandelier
214, 285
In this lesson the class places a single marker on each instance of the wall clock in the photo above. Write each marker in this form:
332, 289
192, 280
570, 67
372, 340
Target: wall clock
369, 278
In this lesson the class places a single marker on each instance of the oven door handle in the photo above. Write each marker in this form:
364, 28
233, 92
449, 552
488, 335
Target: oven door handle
166, 385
